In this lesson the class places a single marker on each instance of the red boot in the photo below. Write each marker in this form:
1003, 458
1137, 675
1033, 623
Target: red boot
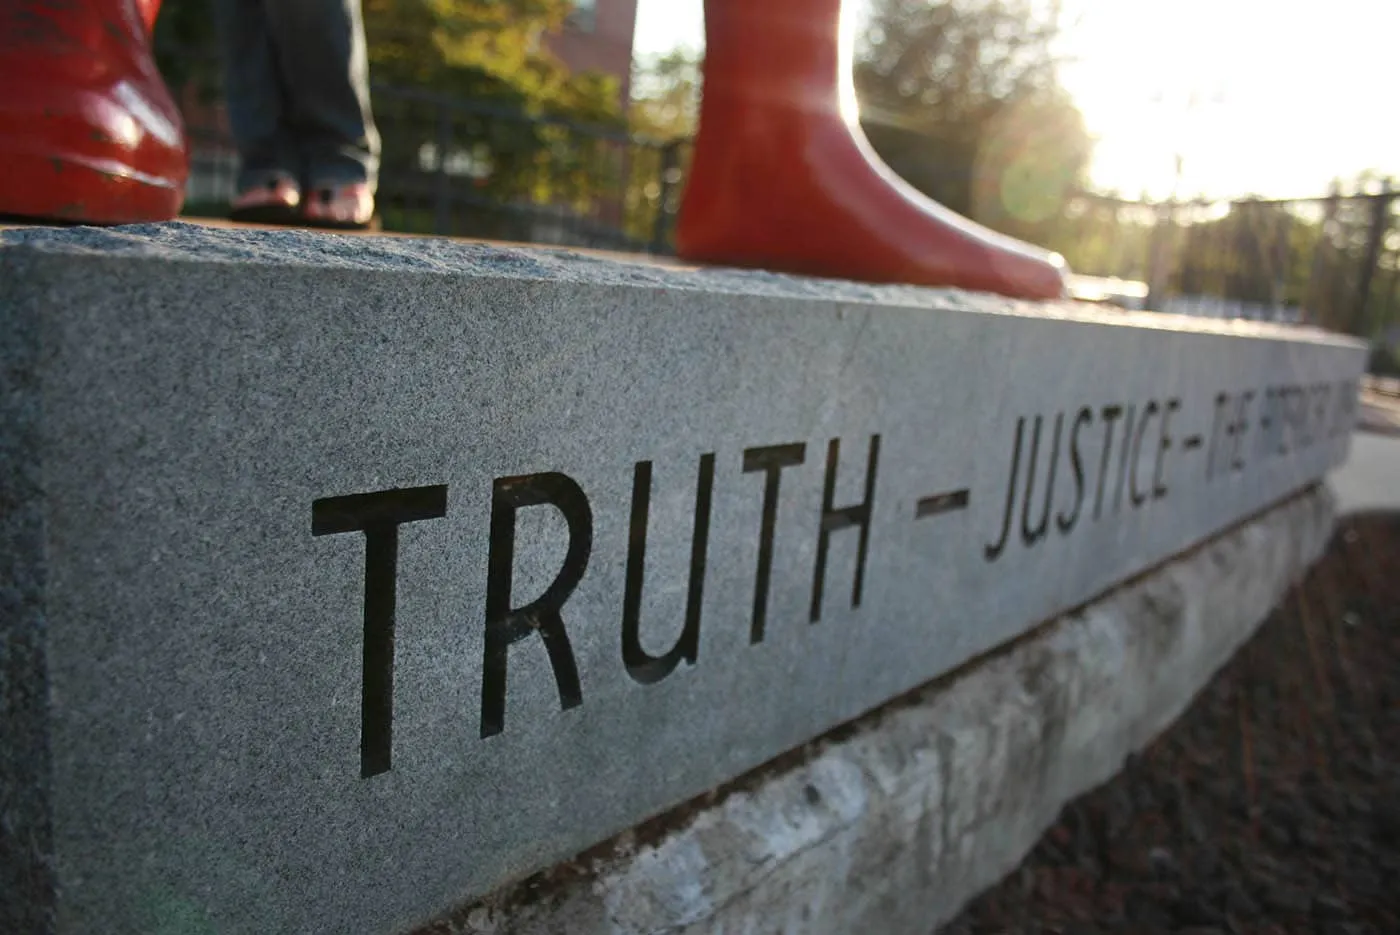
88, 132
783, 178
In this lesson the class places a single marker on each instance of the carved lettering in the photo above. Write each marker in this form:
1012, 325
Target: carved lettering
993, 550
1031, 535
642, 666
1136, 497
506, 625
1064, 521
770, 461
1110, 415
1164, 444
833, 519
378, 515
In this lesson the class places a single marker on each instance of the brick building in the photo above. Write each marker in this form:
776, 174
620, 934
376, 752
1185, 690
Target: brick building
598, 37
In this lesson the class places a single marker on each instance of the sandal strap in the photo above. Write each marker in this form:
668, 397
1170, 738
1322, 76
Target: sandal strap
279, 192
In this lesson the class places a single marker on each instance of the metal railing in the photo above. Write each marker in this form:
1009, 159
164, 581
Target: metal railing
1332, 260
476, 169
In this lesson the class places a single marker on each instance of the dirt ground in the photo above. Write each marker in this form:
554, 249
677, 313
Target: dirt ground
1379, 412
1272, 806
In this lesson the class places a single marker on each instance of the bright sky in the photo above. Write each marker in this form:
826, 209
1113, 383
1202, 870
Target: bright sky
1288, 95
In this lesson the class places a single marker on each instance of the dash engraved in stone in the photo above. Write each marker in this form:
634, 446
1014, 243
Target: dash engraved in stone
1191, 442
944, 502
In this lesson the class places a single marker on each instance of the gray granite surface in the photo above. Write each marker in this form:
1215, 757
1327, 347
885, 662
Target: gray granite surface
229, 710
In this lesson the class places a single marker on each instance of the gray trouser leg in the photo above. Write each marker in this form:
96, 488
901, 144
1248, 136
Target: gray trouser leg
297, 82
254, 94
321, 56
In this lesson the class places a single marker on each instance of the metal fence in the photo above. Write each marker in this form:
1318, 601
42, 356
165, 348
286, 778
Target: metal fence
476, 169
1332, 260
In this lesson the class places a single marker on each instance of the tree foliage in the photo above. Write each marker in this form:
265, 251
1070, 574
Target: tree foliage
962, 98
664, 115
1104, 236
666, 95
1314, 254
484, 50
185, 48
472, 53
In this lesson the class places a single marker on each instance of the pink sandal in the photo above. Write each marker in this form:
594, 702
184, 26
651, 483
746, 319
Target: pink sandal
274, 203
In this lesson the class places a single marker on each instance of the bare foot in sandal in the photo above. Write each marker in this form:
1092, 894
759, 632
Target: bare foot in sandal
346, 207
274, 202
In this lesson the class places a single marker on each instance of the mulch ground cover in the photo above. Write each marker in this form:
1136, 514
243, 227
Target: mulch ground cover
1272, 806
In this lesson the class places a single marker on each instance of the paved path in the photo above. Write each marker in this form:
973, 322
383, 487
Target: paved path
1370, 480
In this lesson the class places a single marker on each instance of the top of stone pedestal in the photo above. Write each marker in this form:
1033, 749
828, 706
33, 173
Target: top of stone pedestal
181, 241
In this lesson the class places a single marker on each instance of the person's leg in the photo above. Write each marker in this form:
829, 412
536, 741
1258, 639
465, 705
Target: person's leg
254, 98
323, 62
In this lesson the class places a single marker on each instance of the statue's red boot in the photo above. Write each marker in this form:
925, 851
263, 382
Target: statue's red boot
88, 131
784, 179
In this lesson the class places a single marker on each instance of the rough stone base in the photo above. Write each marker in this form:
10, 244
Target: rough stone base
892, 823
